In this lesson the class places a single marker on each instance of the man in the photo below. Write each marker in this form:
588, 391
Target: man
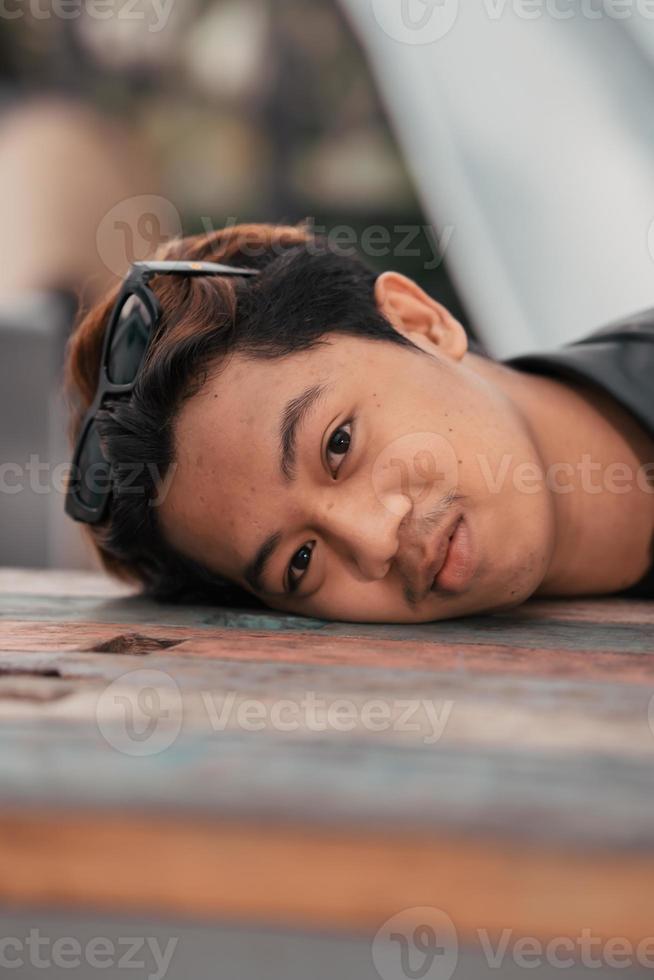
324, 439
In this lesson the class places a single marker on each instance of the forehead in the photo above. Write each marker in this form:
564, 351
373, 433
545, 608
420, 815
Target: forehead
226, 486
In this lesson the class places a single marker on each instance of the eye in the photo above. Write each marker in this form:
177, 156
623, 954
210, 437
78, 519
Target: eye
338, 445
339, 442
299, 560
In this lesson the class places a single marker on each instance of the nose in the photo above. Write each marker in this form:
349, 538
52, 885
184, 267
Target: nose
364, 529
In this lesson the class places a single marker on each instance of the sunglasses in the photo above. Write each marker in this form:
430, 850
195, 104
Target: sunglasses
132, 324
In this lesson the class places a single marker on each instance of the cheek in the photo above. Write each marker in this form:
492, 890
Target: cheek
345, 598
495, 452
420, 465
373, 603
501, 475
515, 513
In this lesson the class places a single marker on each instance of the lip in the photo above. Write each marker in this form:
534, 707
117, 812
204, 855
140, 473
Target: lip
440, 551
460, 562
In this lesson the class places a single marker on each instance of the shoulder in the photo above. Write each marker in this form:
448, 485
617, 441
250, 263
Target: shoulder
637, 327
617, 358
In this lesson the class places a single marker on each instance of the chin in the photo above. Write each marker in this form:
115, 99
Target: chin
520, 588
489, 596
506, 606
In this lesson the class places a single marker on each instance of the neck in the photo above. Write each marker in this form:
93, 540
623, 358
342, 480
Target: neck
589, 444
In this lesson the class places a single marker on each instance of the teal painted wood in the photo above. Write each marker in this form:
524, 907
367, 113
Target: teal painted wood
636, 637
595, 787
540, 798
563, 756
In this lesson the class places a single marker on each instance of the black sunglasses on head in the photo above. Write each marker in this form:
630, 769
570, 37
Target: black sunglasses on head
131, 325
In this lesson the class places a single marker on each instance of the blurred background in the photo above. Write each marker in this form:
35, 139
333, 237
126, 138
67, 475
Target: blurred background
502, 155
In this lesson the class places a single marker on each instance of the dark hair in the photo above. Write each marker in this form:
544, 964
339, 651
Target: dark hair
304, 291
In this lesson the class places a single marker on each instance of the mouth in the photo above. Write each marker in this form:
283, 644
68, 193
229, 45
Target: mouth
438, 548
455, 562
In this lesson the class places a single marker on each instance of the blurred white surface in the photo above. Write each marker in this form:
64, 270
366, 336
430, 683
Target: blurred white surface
530, 135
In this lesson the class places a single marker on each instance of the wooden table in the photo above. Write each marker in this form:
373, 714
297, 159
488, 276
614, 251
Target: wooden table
270, 771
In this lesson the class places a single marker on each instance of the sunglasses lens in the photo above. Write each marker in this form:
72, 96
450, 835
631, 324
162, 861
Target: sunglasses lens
129, 341
93, 471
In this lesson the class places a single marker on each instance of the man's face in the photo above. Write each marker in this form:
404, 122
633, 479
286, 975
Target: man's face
395, 449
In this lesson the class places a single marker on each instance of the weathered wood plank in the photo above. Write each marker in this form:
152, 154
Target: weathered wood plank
43, 583
622, 660
330, 778
636, 637
477, 711
293, 876
530, 806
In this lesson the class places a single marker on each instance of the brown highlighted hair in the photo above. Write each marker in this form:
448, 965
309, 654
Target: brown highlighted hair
304, 291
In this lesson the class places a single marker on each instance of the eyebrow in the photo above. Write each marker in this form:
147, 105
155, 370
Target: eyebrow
255, 570
292, 418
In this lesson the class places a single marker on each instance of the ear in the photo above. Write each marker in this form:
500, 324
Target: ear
412, 312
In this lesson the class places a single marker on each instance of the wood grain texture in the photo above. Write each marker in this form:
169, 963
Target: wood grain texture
620, 656
519, 792
292, 876
71, 585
